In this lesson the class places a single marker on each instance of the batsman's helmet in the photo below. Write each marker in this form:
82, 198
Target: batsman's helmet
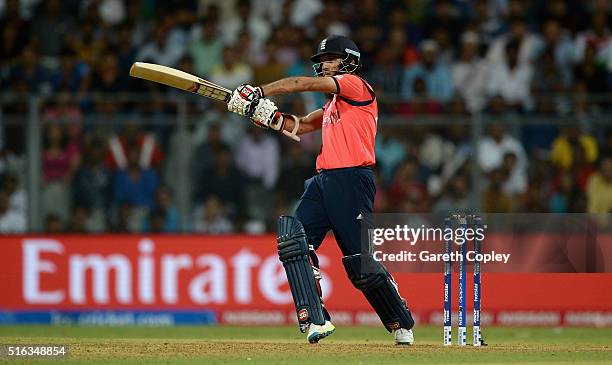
341, 46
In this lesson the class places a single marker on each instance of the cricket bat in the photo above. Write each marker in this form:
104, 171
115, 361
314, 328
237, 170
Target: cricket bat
182, 80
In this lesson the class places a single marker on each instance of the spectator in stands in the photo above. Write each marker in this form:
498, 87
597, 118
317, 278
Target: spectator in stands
558, 42
446, 48
223, 180
59, 163
126, 53
269, 68
526, 43
11, 220
106, 79
455, 197
207, 49
386, 74
567, 13
498, 143
245, 20
72, 75
390, 152
583, 107
64, 111
516, 175
205, 151
487, 22
135, 184
156, 221
211, 217
302, 66
548, 85
111, 12
581, 169
78, 220
421, 102
435, 74
49, 29
167, 46
402, 44
133, 136
29, 72
91, 186
232, 71
368, 36
18, 198
53, 224
125, 221
599, 188
591, 72
303, 12
381, 199
164, 216
606, 144
453, 157
445, 14
407, 185
258, 157
336, 23
494, 200
434, 149
511, 79
565, 145
88, 43
564, 199
14, 32
231, 125
597, 36
245, 50
296, 168
469, 73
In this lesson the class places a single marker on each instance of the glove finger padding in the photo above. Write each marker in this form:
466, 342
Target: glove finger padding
244, 99
237, 104
266, 113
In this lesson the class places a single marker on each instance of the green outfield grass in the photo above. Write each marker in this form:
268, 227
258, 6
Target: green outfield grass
285, 345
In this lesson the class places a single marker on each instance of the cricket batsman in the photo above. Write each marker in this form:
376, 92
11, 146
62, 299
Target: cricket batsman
339, 194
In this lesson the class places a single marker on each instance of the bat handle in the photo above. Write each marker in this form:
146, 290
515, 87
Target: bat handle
294, 137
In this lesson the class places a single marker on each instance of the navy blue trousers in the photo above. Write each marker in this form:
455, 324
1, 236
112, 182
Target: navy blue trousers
333, 200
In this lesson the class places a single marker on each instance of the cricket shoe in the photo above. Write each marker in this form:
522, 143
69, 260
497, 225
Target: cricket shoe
316, 332
403, 337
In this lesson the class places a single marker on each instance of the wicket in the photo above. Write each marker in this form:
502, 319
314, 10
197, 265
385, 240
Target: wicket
462, 222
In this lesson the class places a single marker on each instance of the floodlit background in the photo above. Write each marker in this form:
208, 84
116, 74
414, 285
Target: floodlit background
498, 105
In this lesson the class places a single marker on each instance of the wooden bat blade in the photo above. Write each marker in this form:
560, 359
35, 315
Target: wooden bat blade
185, 81
180, 80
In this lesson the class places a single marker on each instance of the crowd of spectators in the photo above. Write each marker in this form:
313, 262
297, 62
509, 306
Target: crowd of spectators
500, 61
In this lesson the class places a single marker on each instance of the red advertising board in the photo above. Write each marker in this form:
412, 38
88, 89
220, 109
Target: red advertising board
240, 276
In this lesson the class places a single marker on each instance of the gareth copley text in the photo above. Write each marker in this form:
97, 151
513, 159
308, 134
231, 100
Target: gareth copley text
427, 256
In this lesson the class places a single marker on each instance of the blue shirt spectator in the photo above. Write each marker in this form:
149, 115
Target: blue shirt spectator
437, 75
135, 185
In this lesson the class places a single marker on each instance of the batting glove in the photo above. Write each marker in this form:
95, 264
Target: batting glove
244, 99
266, 115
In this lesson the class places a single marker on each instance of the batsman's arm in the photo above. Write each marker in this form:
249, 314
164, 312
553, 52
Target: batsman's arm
308, 123
300, 84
